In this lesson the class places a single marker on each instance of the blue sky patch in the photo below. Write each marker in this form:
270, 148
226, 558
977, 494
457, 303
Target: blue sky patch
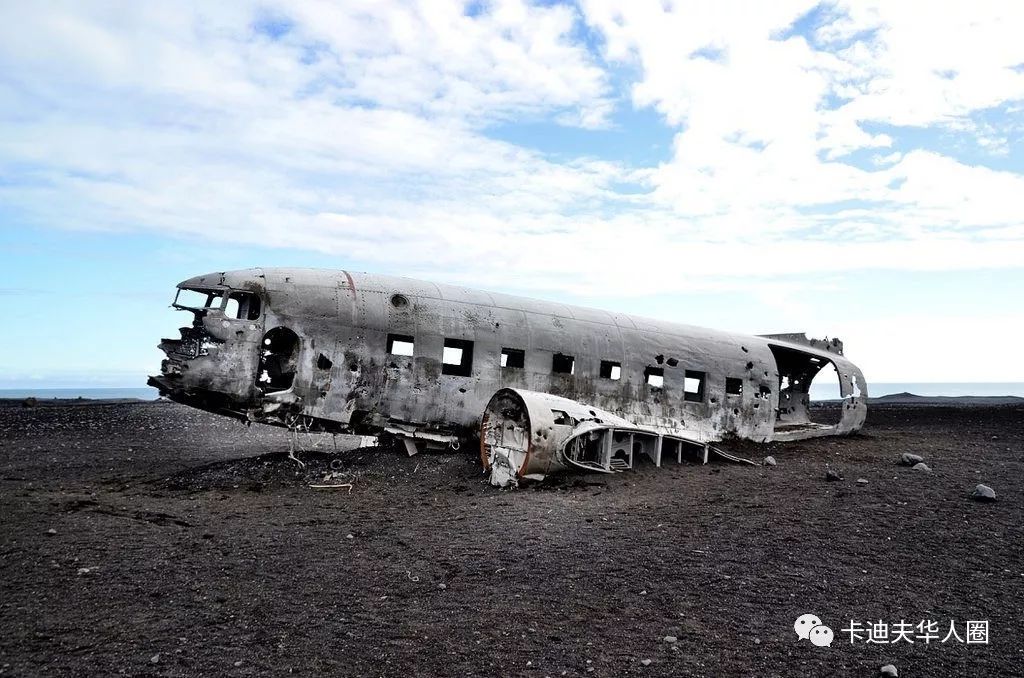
274, 26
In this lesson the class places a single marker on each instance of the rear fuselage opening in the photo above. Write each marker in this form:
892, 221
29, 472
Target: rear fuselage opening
825, 396
796, 415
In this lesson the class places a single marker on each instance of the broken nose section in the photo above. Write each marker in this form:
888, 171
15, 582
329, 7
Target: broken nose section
196, 373
195, 341
172, 381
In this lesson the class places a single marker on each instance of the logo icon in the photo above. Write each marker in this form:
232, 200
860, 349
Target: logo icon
809, 627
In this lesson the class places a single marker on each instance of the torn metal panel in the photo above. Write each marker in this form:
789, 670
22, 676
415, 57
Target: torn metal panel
368, 354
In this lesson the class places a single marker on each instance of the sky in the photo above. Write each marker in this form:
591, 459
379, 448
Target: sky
844, 169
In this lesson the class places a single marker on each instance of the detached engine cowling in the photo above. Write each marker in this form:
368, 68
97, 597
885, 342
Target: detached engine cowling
523, 433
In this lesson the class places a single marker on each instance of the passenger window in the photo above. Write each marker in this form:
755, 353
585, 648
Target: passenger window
400, 344
563, 364
733, 386
654, 377
611, 370
693, 389
457, 358
513, 358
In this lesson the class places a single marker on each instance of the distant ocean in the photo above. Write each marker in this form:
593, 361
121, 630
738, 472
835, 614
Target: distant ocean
875, 390
142, 393
823, 392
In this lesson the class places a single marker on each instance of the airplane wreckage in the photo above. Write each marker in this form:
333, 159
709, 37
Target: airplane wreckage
544, 386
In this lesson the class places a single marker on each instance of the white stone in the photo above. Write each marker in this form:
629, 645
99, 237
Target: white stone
984, 493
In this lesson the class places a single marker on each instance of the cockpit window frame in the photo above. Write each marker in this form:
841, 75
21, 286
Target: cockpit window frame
221, 292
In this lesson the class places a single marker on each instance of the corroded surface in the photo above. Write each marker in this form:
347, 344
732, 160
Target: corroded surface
347, 373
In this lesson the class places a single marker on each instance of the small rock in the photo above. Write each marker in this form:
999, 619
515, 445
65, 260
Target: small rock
442, 586
769, 461
51, 531
888, 670
757, 641
645, 662
907, 459
862, 481
921, 466
155, 658
984, 493
349, 536
831, 475
671, 639
82, 571
238, 663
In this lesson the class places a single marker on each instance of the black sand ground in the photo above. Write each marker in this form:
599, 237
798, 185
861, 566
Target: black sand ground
185, 544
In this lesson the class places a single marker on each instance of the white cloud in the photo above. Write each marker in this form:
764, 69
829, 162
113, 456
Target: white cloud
189, 119
927, 64
916, 347
762, 141
362, 129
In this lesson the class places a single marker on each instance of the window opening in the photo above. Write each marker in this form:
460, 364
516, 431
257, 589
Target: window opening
563, 364
693, 389
611, 370
513, 358
400, 344
733, 386
457, 357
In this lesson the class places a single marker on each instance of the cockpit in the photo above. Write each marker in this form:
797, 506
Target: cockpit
233, 303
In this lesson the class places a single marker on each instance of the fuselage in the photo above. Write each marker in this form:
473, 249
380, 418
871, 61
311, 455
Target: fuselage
364, 353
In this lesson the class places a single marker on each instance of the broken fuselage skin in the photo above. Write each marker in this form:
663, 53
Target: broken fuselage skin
546, 386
